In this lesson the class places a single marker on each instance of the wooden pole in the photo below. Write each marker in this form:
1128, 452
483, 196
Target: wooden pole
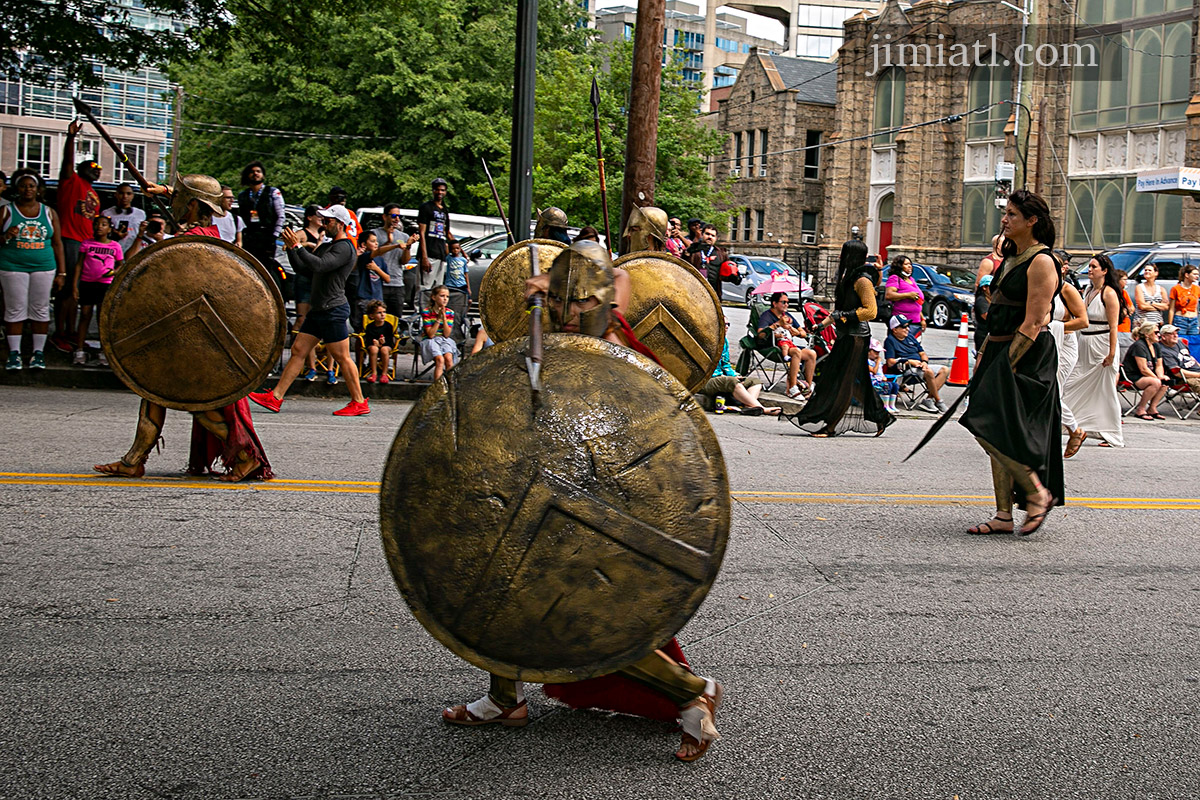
641, 141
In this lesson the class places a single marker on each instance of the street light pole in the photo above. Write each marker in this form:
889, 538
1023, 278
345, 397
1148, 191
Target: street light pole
520, 173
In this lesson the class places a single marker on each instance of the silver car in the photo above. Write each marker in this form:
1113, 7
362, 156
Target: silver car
755, 271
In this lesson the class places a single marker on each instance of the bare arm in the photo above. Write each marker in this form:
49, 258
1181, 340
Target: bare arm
1043, 280
1075, 307
60, 261
383, 276
1112, 313
67, 167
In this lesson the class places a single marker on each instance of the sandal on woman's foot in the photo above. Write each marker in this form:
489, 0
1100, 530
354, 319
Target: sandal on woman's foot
119, 469
1147, 417
993, 525
1074, 442
773, 411
1038, 519
1157, 415
752, 411
486, 712
241, 471
699, 721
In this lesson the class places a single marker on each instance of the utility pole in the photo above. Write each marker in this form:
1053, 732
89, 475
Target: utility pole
641, 141
520, 173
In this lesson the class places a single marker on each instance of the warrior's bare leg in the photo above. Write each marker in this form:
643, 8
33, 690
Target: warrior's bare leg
503, 704
697, 698
149, 427
214, 422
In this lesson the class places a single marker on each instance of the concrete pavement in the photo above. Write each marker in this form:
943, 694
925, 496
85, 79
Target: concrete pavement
184, 639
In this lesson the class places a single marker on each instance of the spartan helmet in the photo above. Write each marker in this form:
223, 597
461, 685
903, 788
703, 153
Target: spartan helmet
579, 274
203, 188
550, 218
646, 229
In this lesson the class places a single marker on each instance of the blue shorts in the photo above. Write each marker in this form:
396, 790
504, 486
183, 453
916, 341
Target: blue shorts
328, 325
1188, 326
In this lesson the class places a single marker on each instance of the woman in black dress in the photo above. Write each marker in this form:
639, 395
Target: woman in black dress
844, 399
1015, 413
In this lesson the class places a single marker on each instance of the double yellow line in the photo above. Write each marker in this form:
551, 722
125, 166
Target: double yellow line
372, 487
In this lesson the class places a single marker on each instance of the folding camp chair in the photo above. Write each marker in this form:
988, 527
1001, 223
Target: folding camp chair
460, 305
912, 389
757, 355
1182, 398
1128, 393
360, 346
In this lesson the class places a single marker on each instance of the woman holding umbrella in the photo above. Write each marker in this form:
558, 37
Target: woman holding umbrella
845, 400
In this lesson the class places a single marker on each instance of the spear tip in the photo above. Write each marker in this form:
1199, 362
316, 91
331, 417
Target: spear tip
595, 92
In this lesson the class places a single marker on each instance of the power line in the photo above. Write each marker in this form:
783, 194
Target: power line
271, 133
1115, 38
886, 132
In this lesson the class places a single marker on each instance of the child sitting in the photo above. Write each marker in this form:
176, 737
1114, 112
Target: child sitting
380, 338
456, 271
437, 326
885, 386
98, 259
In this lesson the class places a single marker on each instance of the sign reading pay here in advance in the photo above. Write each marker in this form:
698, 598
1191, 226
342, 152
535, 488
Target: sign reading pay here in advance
1171, 179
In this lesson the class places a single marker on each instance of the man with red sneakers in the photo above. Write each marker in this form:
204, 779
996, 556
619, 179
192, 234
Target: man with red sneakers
328, 266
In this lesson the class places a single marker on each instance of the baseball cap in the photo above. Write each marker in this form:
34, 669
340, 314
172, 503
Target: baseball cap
897, 321
336, 212
985, 280
875, 345
336, 191
694, 221
438, 182
1168, 329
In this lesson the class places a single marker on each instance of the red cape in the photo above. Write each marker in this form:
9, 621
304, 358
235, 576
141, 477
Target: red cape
617, 693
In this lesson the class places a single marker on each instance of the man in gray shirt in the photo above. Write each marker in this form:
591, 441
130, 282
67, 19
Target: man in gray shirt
393, 233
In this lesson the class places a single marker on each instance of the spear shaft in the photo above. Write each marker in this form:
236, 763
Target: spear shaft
533, 358
499, 206
123, 157
595, 98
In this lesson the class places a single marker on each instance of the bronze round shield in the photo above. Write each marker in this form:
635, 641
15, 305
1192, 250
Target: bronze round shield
674, 312
192, 323
562, 542
502, 303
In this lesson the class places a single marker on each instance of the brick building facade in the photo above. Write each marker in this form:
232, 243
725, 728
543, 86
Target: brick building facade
929, 191
777, 108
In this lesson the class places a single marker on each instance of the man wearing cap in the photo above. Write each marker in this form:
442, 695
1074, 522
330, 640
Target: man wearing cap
1175, 354
338, 197
904, 355
329, 266
433, 220
78, 205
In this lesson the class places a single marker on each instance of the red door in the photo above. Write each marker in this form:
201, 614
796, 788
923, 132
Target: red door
885, 239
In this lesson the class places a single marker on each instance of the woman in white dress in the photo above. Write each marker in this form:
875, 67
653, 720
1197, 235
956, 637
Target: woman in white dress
1091, 389
1067, 315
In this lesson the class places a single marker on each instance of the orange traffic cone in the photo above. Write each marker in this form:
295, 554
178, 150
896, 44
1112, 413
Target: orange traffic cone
960, 371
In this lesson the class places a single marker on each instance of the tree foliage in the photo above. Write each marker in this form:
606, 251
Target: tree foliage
428, 85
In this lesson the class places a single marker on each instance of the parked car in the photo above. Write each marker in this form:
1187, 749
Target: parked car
949, 293
754, 271
1168, 257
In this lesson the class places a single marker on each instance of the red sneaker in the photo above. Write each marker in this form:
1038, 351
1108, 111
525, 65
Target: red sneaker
353, 409
266, 400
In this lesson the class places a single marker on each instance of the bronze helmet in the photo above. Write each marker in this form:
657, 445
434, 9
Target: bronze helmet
646, 229
582, 271
550, 218
203, 188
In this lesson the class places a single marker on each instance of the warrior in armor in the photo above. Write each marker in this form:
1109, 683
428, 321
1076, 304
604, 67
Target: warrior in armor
226, 432
646, 230
582, 298
552, 224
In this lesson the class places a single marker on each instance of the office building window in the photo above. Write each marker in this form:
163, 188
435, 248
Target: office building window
812, 155
762, 152
750, 172
33, 152
1140, 76
760, 229
746, 225
137, 155
87, 149
737, 155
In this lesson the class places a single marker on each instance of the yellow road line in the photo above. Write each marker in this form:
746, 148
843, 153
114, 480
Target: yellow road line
371, 487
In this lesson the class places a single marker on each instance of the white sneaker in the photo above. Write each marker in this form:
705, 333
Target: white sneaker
102, 359
928, 405
79, 359
942, 407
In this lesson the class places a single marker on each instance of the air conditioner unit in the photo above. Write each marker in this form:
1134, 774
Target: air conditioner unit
762, 172
736, 172
808, 238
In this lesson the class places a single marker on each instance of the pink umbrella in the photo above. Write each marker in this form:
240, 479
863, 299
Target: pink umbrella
778, 282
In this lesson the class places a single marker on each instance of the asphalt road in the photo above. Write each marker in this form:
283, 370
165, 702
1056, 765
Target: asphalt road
168, 638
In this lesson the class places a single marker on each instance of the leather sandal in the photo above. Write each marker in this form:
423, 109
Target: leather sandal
709, 703
117, 469
1074, 442
459, 715
985, 528
1038, 520
241, 471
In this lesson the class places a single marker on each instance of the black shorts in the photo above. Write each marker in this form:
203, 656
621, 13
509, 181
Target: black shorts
92, 294
328, 325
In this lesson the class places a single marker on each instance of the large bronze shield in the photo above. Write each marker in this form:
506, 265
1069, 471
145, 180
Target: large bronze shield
192, 323
562, 543
502, 292
674, 312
